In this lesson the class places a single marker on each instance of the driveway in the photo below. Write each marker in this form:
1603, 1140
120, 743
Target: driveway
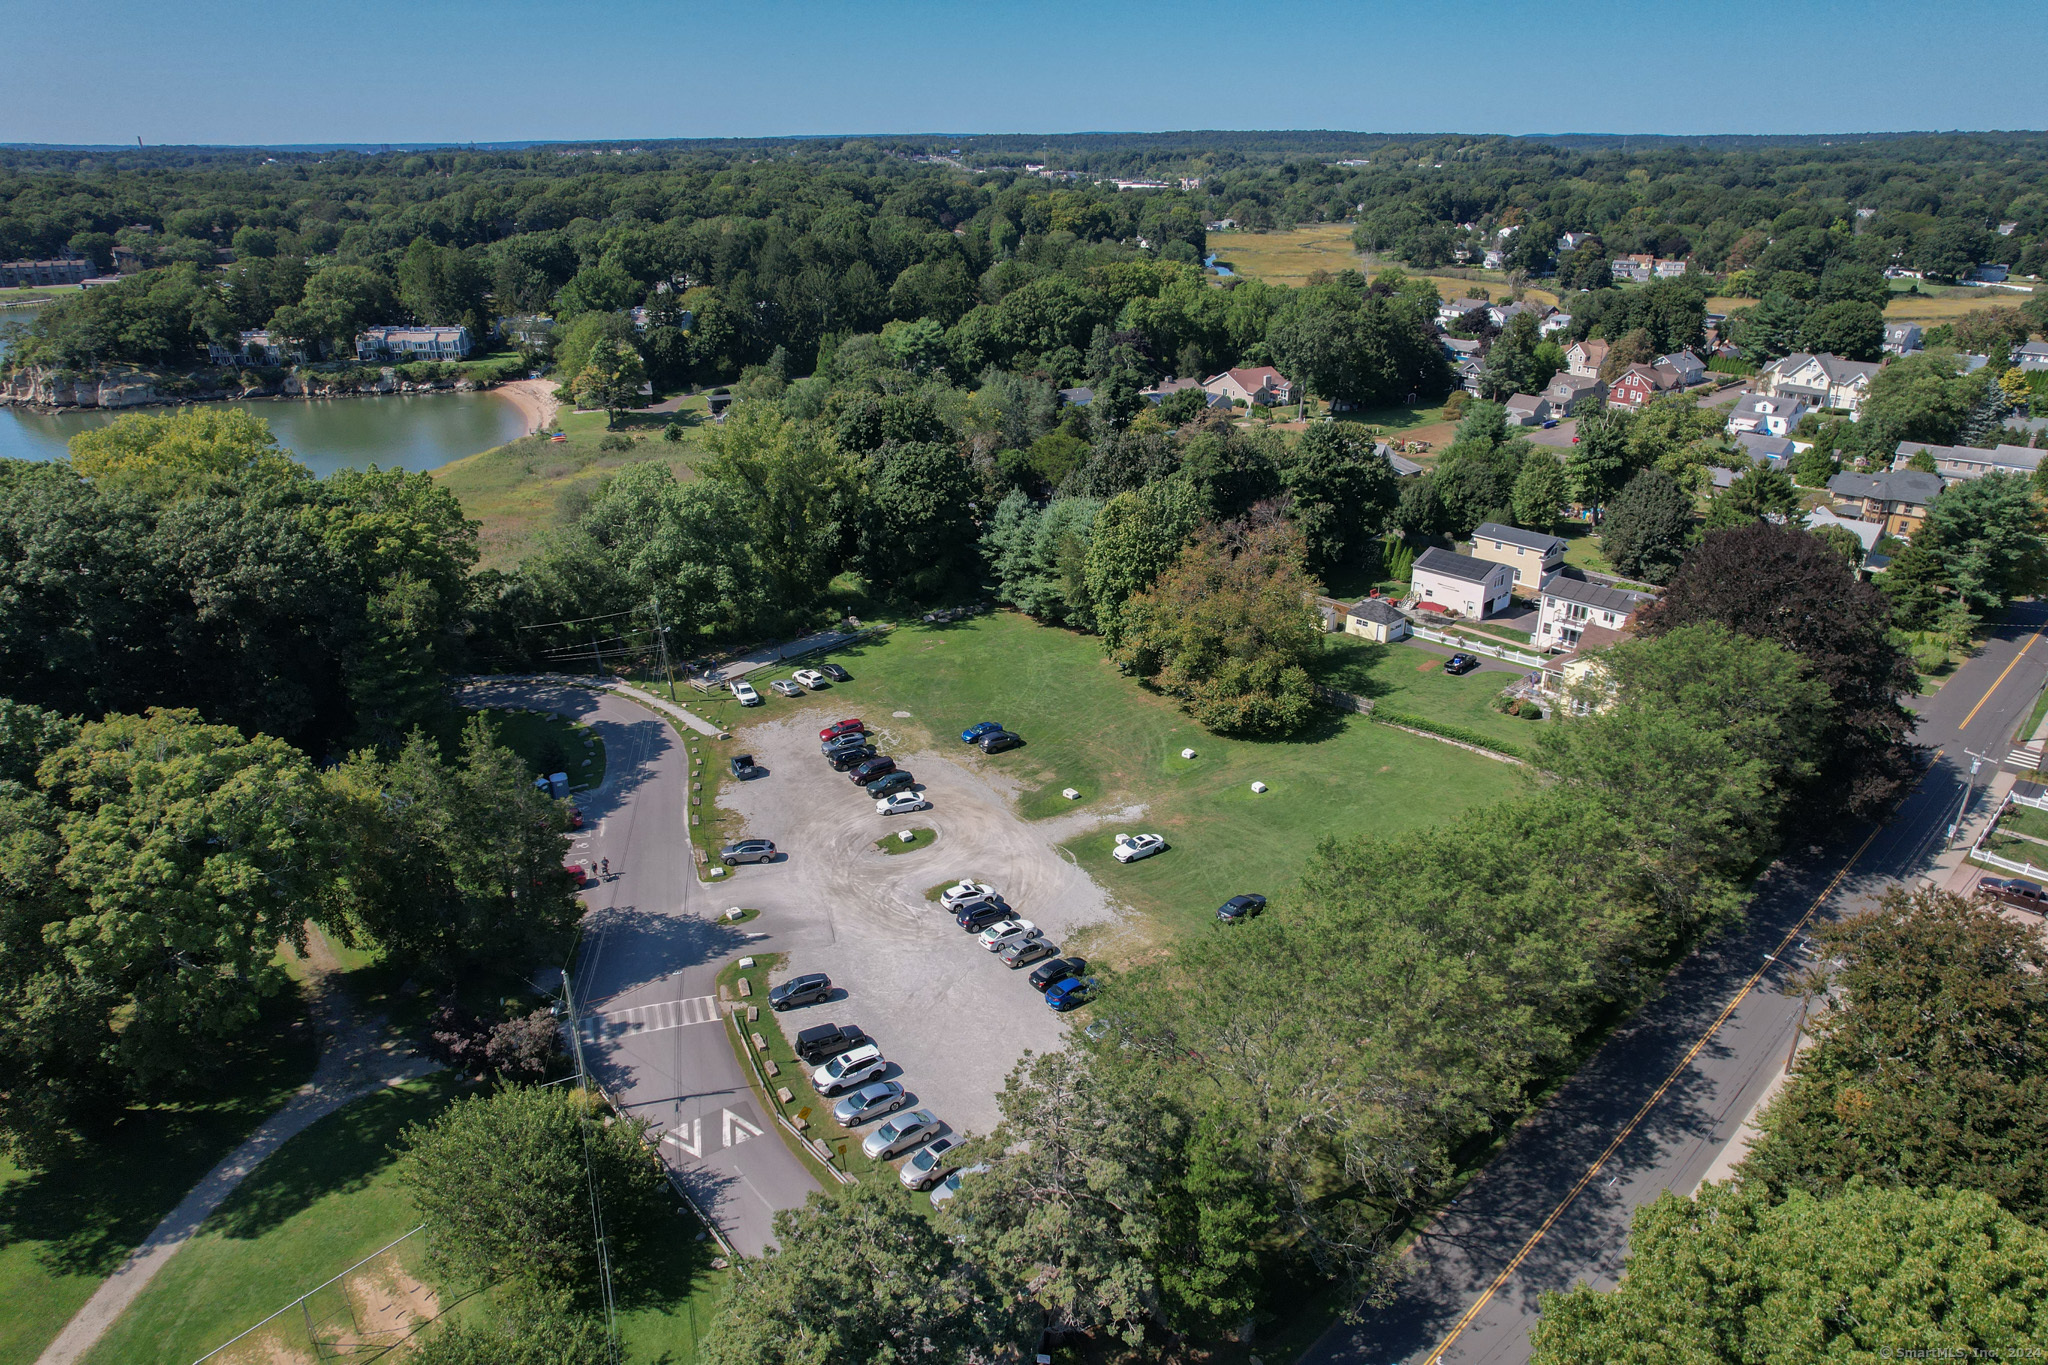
951, 1017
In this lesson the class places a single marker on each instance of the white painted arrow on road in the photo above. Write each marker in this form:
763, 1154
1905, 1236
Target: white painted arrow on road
746, 1130
694, 1144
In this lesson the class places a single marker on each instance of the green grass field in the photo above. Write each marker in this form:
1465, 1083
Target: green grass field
549, 743
1089, 728
66, 1228
521, 489
1411, 680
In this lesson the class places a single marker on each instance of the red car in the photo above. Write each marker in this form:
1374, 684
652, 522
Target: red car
579, 874
841, 727
575, 818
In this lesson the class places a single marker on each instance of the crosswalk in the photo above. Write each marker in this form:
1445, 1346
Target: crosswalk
2027, 757
664, 1014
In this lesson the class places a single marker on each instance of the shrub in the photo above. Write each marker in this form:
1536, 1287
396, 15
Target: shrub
1434, 727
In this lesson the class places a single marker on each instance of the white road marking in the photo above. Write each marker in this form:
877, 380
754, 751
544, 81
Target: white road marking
746, 1130
695, 1143
654, 1018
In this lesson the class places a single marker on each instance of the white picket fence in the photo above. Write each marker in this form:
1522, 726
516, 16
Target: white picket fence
1505, 653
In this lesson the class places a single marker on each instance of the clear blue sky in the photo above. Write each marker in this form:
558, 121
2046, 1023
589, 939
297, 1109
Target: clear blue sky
287, 71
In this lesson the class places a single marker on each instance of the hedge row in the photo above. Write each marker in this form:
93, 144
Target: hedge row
1457, 732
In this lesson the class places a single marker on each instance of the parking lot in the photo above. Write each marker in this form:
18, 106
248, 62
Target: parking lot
945, 1011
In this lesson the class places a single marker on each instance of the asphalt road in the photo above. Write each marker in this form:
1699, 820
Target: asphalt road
1653, 1108
646, 979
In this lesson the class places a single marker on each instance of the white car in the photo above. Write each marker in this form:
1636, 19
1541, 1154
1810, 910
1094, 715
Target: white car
953, 897
811, 678
1005, 931
1131, 847
902, 803
900, 1134
744, 690
849, 1069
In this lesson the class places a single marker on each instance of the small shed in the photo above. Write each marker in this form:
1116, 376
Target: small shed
1378, 620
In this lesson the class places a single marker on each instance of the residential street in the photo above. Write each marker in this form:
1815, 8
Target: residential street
1655, 1106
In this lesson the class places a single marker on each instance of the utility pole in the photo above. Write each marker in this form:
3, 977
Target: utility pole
1969, 790
596, 659
661, 642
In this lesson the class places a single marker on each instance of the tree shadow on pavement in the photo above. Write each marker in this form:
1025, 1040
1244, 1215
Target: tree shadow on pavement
645, 946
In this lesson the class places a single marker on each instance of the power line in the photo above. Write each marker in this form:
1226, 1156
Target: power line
581, 620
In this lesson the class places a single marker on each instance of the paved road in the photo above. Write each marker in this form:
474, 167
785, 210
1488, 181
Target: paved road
1654, 1107
646, 978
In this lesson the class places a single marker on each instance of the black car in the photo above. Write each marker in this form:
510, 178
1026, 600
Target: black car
890, 783
980, 915
800, 990
834, 672
879, 766
1240, 907
822, 1042
1458, 665
742, 765
851, 758
1059, 969
999, 741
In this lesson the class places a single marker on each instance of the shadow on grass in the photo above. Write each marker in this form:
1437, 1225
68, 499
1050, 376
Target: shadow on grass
99, 1198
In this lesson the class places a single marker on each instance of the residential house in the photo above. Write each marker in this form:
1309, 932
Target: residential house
1404, 468
1586, 357
1902, 338
1989, 274
1460, 585
1579, 681
1765, 449
1765, 414
1159, 393
2033, 355
1826, 381
1453, 313
1867, 533
1377, 620
1460, 348
1552, 325
1896, 499
1528, 410
1687, 368
1572, 241
1262, 387
1501, 314
1634, 269
256, 348
1569, 387
1667, 270
1968, 462
1495, 259
1076, 397
1571, 603
413, 343
1634, 386
62, 270
1531, 555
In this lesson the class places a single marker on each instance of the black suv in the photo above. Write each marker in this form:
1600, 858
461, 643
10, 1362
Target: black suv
888, 784
980, 916
875, 767
999, 741
823, 1042
834, 672
800, 990
1059, 969
847, 759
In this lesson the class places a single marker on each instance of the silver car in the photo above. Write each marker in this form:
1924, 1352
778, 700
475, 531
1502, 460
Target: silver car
928, 1166
868, 1102
900, 1134
785, 687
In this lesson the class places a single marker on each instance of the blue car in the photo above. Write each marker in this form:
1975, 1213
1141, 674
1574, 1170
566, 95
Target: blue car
1071, 993
975, 732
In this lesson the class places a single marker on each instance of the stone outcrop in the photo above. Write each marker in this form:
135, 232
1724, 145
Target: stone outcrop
38, 388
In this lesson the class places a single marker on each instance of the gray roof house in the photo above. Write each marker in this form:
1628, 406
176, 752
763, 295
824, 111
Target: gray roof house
1776, 451
1460, 584
1076, 398
1968, 462
1892, 485
1566, 389
1570, 604
1404, 468
2031, 356
1527, 409
1530, 554
1902, 338
1689, 368
1772, 414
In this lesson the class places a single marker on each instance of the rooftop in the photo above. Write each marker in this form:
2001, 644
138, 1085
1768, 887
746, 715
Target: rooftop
1893, 485
1434, 560
1376, 609
1567, 584
1541, 542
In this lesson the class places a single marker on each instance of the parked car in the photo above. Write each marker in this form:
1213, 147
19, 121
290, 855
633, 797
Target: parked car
963, 891
878, 766
1071, 993
1003, 930
1024, 951
808, 989
849, 1069
999, 741
575, 817
786, 688
901, 803
852, 739
743, 766
1052, 973
928, 1166
1458, 665
821, 1041
2015, 891
744, 690
1240, 908
811, 678
834, 672
900, 1134
871, 1101
579, 875
748, 851
847, 759
1131, 847
975, 732
975, 918
840, 727
891, 784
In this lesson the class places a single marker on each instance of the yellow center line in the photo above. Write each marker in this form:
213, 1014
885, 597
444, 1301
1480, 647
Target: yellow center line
1458, 1328
2001, 678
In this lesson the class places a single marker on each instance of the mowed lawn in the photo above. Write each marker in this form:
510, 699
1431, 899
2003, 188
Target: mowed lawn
1089, 728
1412, 681
321, 1203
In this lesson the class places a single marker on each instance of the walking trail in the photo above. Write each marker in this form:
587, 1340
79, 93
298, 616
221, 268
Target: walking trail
356, 1058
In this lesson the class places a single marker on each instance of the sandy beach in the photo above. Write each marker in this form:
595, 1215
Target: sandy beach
535, 399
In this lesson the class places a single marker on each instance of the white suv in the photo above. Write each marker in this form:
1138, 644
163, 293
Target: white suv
744, 690
849, 1069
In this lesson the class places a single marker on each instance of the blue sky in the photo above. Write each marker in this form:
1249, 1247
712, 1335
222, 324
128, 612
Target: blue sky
419, 70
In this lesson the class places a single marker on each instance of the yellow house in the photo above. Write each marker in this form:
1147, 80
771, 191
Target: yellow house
1578, 682
1531, 554
1376, 619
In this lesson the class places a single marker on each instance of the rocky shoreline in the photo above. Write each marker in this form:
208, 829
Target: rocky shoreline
39, 391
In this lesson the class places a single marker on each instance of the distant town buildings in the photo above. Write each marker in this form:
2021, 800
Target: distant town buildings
413, 343
62, 270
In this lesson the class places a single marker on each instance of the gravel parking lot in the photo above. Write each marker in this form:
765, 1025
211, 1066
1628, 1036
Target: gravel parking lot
949, 1014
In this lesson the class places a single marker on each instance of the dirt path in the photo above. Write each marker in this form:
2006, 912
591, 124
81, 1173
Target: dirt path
356, 1057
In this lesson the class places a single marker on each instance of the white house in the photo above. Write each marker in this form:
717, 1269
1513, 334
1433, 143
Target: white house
1552, 325
256, 348
413, 343
1570, 604
1263, 387
1461, 585
1765, 414
1826, 381
1448, 314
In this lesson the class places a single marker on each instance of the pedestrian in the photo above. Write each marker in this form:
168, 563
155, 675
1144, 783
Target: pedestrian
607, 869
